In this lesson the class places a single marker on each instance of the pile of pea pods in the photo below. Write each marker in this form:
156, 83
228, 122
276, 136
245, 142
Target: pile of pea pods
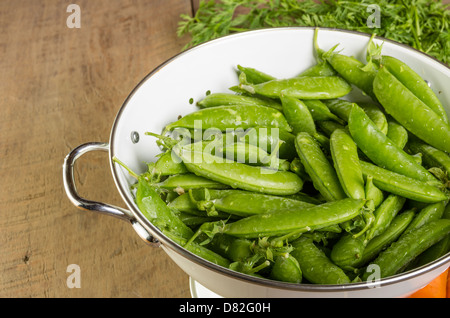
288, 180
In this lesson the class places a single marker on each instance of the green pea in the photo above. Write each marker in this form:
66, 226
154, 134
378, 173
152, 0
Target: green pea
320, 87
316, 267
412, 113
414, 83
346, 162
400, 253
381, 150
401, 185
286, 269
320, 170
290, 220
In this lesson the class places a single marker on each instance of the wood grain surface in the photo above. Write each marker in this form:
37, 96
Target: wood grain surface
59, 88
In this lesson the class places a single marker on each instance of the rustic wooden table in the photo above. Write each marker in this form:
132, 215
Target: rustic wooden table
62, 87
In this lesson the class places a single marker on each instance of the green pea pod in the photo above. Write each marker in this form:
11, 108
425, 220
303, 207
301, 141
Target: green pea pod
156, 211
378, 243
268, 138
199, 250
384, 215
286, 269
232, 117
239, 175
328, 126
400, 253
319, 111
301, 220
401, 185
397, 133
352, 71
315, 265
428, 214
346, 163
381, 150
167, 165
233, 248
298, 115
431, 156
227, 99
320, 69
187, 202
373, 193
183, 182
415, 84
319, 169
376, 115
297, 167
320, 87
243, 203
410, 111
347, 250
255, 76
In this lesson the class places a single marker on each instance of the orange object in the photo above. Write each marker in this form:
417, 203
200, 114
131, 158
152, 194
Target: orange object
438, 288
448, 284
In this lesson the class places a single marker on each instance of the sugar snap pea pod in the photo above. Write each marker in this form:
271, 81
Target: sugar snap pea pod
320, 69
188, 201
431, 156
232, 117
400, 253
414, 83
315, 265
381, 150
429, 213
328, 126
372, 192
302, 220
196, 220
255, 76
155, 209
410, 111
346, 163
286, 269
318, 87
239, 175
246, 153
353, 71
223, 99
183, 182
384, 215
376, 115
232, 248
397, 133
167, 165
401, 185
199, 250
319, 111
297, 167
268, 138
319, 169
244, 203
378, 243
347, 250
298, 115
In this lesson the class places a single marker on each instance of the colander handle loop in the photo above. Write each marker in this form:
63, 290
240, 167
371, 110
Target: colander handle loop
88, 205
